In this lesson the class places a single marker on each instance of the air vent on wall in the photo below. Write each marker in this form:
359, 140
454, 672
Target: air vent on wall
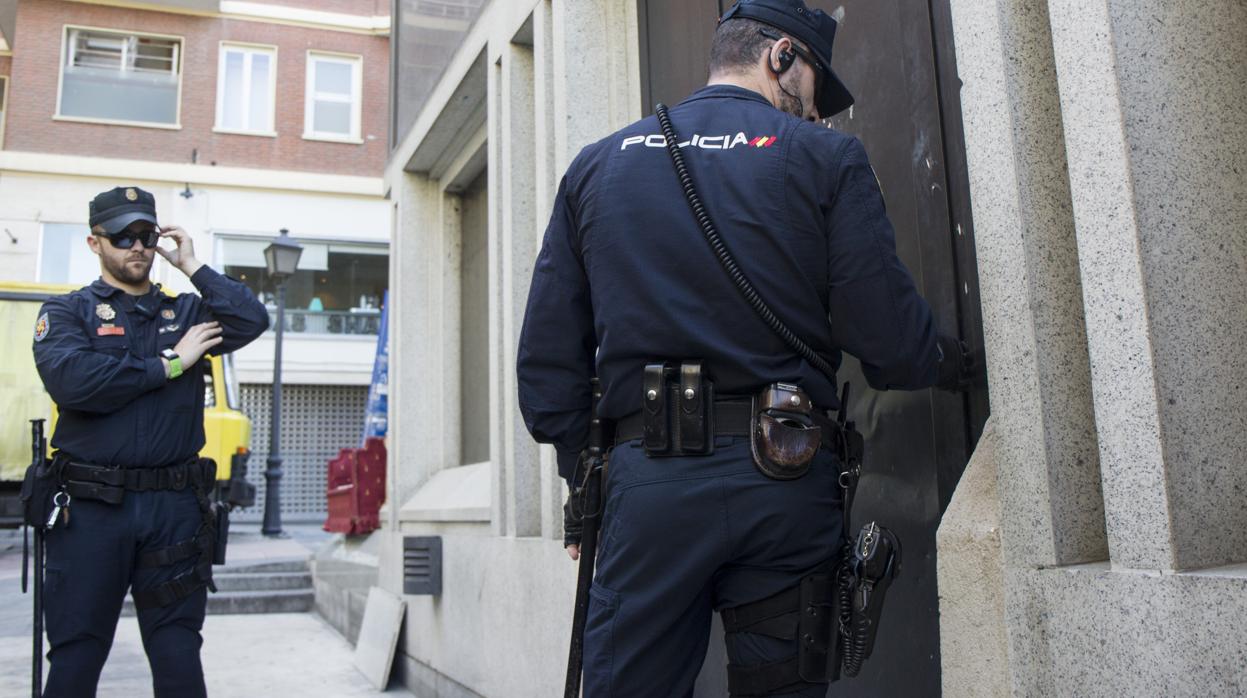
422, 565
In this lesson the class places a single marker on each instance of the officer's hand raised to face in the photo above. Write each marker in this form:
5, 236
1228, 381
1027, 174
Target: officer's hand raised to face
183, 256
197, 340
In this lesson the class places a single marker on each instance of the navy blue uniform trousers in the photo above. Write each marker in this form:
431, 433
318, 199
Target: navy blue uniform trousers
682, 537
91, 563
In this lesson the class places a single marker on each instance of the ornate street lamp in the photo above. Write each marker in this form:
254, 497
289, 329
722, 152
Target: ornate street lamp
282, 258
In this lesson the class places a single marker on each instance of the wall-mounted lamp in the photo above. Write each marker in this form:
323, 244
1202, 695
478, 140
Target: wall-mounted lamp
187, 193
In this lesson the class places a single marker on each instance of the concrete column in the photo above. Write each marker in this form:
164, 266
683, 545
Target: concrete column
1044, 494
974, 646
553, 490
424, 278
519, 454
1032, 303
499, 495
1153, 97
595, 56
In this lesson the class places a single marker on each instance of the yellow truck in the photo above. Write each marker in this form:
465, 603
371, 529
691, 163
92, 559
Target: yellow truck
227, 431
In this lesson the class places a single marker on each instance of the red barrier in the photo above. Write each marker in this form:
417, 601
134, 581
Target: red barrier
356, 488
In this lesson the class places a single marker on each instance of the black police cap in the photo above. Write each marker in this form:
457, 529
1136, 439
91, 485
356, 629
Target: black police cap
814, 28
118, 207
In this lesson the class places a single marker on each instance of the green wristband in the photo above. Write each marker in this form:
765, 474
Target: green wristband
175, 368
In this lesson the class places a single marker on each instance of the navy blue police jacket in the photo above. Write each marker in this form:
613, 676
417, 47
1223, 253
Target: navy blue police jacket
98, 352
625, 275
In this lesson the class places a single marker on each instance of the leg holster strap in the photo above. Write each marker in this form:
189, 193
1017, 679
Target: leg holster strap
805, 613
191, 547
774, 616
761, 679
175, 589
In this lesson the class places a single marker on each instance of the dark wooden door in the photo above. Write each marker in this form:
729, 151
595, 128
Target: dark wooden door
897, 58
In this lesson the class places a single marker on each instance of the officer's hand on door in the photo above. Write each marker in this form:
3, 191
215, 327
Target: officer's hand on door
183, 256
198, 340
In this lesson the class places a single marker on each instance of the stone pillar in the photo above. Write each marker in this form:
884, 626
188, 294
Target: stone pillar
553, 489
1042, 447
518, 249
424, 273
596, 59
1153, 98
974, 645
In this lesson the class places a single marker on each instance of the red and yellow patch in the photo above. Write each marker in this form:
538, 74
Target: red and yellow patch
42, 325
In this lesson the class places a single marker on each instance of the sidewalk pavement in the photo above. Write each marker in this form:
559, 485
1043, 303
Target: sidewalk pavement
262, 654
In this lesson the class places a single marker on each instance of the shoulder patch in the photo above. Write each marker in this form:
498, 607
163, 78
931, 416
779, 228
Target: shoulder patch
42, 325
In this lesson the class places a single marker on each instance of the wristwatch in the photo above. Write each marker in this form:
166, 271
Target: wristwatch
175, 362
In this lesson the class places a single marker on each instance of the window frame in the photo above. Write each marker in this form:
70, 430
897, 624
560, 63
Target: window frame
4, 106
64, 57
246, 49
356, 61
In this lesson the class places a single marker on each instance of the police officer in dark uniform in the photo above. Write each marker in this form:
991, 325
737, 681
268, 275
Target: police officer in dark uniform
122, 361
625, 279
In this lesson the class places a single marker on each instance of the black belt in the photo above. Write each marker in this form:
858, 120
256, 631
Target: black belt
732, 417
87, 481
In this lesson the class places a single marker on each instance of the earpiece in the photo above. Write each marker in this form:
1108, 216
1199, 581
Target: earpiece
785, 61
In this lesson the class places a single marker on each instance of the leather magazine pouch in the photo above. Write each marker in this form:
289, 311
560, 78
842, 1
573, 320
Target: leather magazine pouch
678, 410
696, 414
784, 438
657, 434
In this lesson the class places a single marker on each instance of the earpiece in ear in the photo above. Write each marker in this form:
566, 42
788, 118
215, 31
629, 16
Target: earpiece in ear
785, 61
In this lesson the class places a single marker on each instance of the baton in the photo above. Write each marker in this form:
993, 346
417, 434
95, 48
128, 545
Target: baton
37, 449
591, 509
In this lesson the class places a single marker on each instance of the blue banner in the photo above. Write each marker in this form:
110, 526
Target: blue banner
375, 423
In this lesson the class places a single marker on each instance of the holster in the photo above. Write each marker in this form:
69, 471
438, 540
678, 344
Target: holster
221, 513
784, 437
869, 570
216, 513
678, 410
42, 481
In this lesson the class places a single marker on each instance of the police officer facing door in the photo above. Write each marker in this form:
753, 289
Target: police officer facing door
627, 288
122, 362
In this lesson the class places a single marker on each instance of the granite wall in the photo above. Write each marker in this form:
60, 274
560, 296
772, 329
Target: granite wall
1107, 148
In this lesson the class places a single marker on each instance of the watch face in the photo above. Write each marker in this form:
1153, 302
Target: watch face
168, 354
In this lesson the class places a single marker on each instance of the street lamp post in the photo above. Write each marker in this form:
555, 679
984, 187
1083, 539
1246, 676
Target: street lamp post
282, 258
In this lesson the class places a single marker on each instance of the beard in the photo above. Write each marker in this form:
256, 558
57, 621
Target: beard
127, 269
789, 102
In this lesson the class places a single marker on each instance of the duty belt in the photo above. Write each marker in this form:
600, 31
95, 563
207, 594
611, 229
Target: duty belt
732, 417
109, 485
85, 481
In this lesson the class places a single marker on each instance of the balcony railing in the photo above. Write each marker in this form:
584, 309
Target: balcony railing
362, 321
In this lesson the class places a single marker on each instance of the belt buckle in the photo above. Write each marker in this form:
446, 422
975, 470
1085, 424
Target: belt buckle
180, 476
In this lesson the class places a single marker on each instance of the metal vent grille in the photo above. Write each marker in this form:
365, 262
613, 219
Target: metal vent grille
316, 422
422, 565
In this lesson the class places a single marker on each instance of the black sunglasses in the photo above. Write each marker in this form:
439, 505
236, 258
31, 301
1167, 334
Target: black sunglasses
123, 240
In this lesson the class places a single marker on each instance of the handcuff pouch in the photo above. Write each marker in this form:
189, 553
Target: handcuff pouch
783, 437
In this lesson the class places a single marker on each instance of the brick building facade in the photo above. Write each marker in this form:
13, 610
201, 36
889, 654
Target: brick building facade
33, 124
206, 104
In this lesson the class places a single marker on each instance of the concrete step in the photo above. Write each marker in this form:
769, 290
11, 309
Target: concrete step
292, 564
262, 581
279, 601
262, 586
230, 602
